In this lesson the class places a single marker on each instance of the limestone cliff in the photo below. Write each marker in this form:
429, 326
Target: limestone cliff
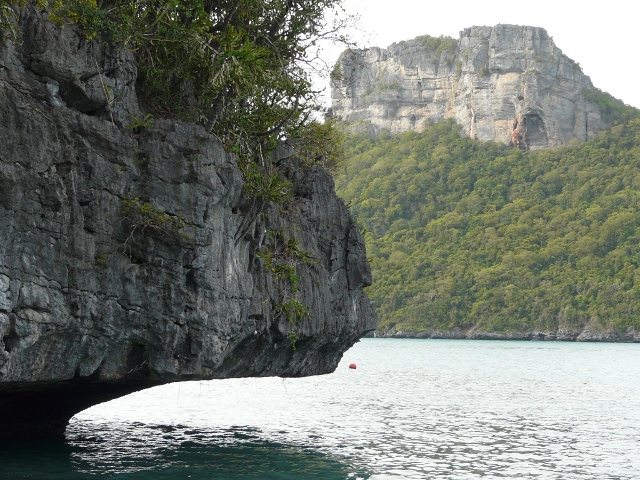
505, 83
90, 309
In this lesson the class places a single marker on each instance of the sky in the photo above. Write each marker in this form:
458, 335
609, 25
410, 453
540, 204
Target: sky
601, 36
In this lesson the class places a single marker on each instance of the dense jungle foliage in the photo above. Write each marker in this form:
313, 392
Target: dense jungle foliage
464, 233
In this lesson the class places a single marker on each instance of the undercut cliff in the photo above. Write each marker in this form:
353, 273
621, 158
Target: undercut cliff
130, 257
507, 83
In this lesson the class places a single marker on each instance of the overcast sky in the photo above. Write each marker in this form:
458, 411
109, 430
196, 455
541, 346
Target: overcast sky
602, 37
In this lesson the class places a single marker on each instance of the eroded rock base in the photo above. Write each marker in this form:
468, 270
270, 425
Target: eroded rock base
30, 412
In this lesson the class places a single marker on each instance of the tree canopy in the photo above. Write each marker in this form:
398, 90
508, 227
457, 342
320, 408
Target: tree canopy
242, 68
463, 233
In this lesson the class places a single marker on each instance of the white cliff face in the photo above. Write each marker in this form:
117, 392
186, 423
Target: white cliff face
506, 83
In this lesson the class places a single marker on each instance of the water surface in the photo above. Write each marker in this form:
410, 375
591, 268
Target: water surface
413, 409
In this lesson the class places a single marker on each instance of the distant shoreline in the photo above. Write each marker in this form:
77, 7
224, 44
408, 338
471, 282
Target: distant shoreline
586, 335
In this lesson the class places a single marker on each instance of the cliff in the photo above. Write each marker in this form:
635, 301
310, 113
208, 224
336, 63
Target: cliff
506, 83
129, 256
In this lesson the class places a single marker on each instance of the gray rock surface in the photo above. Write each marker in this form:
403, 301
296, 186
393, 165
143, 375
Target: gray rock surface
506, 83
91, 309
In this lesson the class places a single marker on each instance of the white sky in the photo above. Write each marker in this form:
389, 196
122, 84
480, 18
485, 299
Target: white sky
601, 36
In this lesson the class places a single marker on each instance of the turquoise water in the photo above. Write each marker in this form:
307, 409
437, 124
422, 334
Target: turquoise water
413, 409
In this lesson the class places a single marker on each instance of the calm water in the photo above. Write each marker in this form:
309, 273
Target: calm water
413, 409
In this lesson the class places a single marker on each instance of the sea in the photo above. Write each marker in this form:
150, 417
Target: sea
411, 409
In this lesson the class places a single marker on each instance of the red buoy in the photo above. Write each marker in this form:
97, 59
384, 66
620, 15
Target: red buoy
352, 365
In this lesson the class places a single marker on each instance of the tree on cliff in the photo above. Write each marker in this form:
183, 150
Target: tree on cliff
242, 68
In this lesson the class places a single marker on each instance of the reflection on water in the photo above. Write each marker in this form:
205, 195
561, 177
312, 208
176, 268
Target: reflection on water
167, 451
141, 451
413, 409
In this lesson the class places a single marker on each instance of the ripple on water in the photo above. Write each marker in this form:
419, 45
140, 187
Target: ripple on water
175, 451
413, 409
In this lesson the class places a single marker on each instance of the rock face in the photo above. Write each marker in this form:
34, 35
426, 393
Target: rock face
93, 304
506, 83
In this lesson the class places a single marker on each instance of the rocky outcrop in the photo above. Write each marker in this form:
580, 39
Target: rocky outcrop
129, 256
506, 83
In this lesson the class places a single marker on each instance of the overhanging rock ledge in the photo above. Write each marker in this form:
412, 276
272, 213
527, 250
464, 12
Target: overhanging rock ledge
87, 314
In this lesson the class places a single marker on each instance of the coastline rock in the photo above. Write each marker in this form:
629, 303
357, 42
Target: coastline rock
90, 308
588, 334
507, 83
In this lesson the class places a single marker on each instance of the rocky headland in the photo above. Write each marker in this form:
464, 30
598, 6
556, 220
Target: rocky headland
129, 256
506, 83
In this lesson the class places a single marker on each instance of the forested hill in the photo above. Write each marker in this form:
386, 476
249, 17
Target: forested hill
467, 237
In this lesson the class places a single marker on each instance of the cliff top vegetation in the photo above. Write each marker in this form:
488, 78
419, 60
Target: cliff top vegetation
241, 68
